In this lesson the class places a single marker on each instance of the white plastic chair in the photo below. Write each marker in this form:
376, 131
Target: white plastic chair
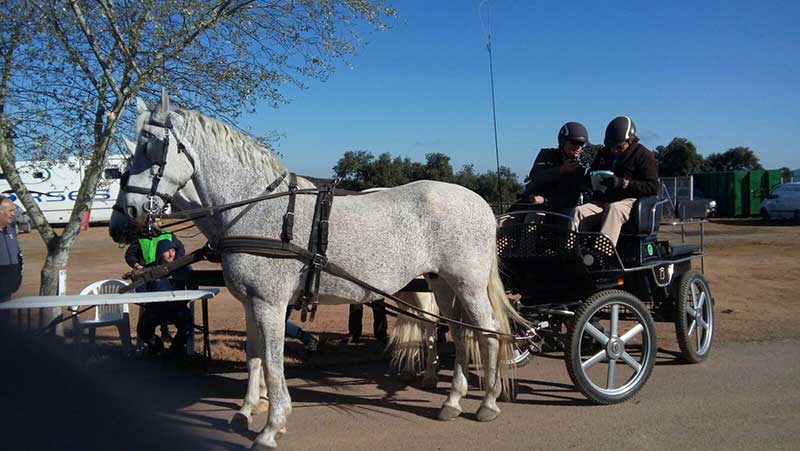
104, 316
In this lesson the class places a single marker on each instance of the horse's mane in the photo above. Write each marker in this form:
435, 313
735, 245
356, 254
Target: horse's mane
211, 133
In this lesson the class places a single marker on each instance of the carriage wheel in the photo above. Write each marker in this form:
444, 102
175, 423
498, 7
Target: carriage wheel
694, 323
611, 347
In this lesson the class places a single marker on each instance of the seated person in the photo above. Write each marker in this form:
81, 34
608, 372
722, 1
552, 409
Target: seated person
635, 175
176, 312
556, 178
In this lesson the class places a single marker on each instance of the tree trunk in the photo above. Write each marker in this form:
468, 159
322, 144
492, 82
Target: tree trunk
57, 257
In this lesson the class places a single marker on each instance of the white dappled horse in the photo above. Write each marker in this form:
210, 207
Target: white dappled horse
385, 239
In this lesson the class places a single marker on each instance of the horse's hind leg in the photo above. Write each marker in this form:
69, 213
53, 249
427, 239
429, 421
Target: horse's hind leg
255, 400
477, 306
451, 408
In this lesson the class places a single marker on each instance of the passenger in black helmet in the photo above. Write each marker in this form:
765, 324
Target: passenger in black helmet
634, 174
556, 178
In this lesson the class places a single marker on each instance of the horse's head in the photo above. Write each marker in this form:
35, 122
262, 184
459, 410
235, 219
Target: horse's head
161, 166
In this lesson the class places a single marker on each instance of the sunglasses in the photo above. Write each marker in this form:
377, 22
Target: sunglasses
577, 143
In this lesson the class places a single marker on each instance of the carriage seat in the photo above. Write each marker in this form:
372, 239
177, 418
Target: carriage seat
691, 209
645, 217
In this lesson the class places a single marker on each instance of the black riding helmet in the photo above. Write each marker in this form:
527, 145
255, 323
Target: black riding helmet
573, 131
620, 129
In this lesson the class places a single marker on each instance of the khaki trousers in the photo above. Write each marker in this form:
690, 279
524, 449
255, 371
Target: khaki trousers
608, 217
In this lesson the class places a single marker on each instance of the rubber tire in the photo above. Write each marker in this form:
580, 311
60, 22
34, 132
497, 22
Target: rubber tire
575, 333
765, 214
689, 354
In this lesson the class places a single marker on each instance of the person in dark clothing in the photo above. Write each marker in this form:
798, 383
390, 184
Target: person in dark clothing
176, 312
380, 326
10, 253
632, 173
142, 252
556, 179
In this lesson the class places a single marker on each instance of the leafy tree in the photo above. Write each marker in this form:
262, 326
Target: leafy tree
467, 177
735, 159
437, 167
679, 158
71, 68
510, 188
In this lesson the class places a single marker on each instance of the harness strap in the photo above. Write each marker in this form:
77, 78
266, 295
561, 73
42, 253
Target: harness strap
149, 274
275, 183
287, 234
317, 247
273, 248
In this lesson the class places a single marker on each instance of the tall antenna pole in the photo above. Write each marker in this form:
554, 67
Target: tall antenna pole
494, 111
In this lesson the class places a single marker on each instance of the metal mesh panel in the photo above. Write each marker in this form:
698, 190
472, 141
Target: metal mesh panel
533, 241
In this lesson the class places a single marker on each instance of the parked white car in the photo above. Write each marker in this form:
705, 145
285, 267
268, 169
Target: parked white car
783, 202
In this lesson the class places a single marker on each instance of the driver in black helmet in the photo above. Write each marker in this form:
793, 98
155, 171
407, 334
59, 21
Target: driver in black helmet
632, 174
556, 178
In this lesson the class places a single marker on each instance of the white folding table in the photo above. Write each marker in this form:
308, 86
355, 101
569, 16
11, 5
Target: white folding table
30, 302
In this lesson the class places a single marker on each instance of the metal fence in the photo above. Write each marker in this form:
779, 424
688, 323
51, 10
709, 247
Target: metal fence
676, 189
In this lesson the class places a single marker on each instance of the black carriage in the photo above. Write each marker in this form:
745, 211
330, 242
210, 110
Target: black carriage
598, 303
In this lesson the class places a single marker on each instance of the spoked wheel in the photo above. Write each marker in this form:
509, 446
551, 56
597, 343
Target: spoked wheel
694, 323
611, 347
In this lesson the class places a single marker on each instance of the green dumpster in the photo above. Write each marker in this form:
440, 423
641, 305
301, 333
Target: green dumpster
738, 193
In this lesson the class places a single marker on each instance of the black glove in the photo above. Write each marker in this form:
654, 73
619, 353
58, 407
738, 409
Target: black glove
613, 182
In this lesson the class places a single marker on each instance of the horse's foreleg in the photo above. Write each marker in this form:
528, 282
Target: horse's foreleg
271, 322
255, 400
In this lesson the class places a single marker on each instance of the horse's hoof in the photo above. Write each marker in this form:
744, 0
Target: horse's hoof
448, 413
259, 447
240, 422
261, 407
429, 383
486, 414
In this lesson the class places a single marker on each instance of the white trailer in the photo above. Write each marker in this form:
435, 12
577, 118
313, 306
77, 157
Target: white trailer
54, 186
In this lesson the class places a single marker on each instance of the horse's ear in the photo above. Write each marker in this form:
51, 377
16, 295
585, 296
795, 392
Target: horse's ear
141, 107
164, 106
130, 145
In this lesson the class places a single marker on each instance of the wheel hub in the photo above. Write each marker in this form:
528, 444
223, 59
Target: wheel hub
614, 348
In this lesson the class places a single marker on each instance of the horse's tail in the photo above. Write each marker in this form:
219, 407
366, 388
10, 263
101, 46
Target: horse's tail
410, 336
504, 315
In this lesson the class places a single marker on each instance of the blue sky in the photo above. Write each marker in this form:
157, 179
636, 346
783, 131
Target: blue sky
720, 73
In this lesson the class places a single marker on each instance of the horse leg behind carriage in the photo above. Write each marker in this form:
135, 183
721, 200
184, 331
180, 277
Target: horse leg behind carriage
413, 342
385, 239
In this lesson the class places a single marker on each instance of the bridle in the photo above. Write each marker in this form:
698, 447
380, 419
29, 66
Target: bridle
156, 152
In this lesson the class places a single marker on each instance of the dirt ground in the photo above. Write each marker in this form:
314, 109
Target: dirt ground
752, 266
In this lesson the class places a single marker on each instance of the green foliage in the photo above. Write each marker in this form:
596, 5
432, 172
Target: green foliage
679, 158
359, 170
735, 159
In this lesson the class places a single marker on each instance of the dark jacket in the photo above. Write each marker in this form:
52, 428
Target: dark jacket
169, 283
560, 191
10, 261
637, 164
